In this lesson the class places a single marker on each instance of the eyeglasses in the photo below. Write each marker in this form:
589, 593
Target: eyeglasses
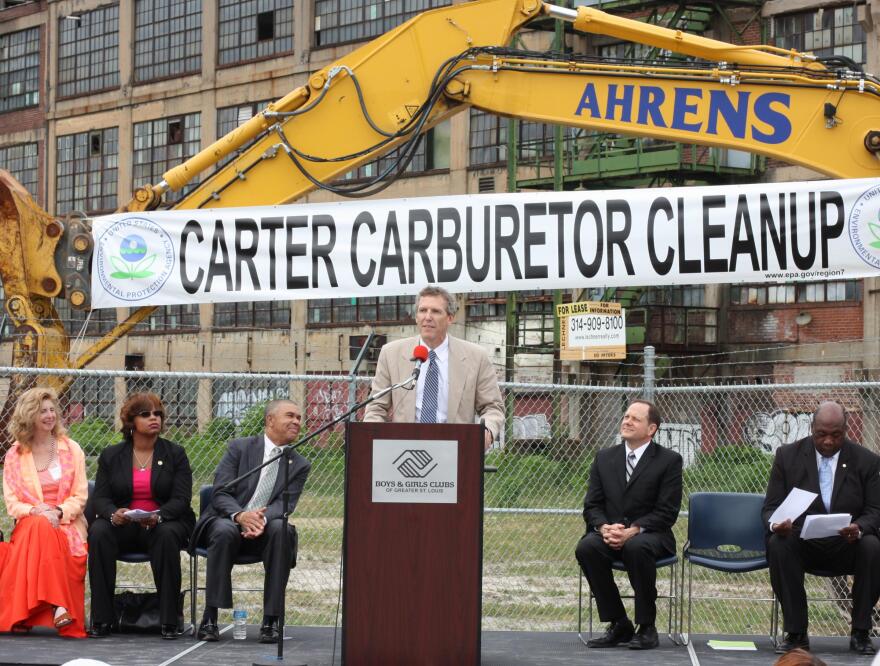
146, 414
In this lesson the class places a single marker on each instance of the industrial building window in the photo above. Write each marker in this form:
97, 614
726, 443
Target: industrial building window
21, 161
823, 31
232, 398
536, 315
384, 309
488, 139
99, 321
691, 297
625, 51
168, 39
805, 292
87, 170
91, 397
19, 69
162, 144
338, 21
251, 30
535, 141
230, 117
483, 305
179, 395
171, 319
256, 314
88, 51
431, 153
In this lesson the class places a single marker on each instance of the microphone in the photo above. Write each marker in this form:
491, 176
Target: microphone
420, 355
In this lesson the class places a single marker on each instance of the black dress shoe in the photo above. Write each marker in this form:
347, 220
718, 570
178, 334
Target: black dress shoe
792, 641
169, 632
208, 631
269, 632
645, 638
860, 642
617, 633
99, 630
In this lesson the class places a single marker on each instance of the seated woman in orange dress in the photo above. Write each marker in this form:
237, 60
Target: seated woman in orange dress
43, 567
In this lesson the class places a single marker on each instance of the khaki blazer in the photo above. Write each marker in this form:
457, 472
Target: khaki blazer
473, 385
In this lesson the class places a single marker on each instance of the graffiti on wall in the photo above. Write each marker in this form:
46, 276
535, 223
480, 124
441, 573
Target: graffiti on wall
770, 431
684, 438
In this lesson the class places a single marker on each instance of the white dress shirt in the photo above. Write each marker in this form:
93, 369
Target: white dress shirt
442, 352
639, 450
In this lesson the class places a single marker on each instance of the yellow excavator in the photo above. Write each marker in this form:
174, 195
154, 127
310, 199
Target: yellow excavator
820, 113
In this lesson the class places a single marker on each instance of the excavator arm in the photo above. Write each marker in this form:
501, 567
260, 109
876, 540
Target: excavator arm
386, 94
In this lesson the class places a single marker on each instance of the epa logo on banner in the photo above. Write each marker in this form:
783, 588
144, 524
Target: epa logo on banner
415, 471
134, 259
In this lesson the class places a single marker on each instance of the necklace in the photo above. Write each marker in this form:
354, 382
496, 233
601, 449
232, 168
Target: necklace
142, 466
52, 448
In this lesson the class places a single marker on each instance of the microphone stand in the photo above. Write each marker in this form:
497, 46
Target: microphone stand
287, 452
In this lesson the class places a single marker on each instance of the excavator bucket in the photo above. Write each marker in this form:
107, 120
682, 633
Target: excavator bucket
28, 239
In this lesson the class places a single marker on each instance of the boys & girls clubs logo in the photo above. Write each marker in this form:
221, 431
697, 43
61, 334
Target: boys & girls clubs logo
135, 257
864, 226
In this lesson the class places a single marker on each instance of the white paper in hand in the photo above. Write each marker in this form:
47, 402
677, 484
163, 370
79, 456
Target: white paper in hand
821, 525
795, 504
137, 515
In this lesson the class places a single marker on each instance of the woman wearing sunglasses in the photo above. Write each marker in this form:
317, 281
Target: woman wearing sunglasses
142, 502
43, 568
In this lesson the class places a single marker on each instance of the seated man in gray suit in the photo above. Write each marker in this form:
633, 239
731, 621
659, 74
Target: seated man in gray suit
455, 386
248, 518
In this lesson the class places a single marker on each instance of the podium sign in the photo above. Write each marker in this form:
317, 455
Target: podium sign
420, 472
412, 544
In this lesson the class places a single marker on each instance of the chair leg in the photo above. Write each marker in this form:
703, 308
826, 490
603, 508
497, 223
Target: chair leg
673, 605
193, 590
774, 621
581, 605
684, 638
590, 611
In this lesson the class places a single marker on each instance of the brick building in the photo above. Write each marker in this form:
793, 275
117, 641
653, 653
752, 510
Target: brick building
99, 97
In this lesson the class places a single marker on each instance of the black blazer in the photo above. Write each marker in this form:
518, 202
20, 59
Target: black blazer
241, 456
170, 481
652, 498
856, 487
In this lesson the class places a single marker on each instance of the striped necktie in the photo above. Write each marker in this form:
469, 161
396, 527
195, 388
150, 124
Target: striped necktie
266, 483
630, 465
430, 392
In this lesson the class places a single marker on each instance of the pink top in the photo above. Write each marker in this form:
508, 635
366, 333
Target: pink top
49, 486
142, 496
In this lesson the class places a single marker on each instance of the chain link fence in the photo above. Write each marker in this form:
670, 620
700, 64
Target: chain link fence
726, 435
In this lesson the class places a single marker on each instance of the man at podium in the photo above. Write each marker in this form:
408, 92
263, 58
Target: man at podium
457, 384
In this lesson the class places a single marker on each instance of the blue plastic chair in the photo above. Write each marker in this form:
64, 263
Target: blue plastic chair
725, 533
618, 565
205, 494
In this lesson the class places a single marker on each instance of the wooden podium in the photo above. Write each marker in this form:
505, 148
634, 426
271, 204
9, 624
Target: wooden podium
412, 544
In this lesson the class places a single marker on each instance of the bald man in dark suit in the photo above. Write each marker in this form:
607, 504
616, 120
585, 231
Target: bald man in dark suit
846, 477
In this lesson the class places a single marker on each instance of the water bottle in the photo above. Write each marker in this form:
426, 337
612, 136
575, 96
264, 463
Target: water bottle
239, 624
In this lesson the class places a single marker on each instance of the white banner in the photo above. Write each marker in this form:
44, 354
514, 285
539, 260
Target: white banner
770, 232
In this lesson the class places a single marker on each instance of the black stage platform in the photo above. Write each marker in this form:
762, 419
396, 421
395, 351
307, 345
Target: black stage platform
313, 646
